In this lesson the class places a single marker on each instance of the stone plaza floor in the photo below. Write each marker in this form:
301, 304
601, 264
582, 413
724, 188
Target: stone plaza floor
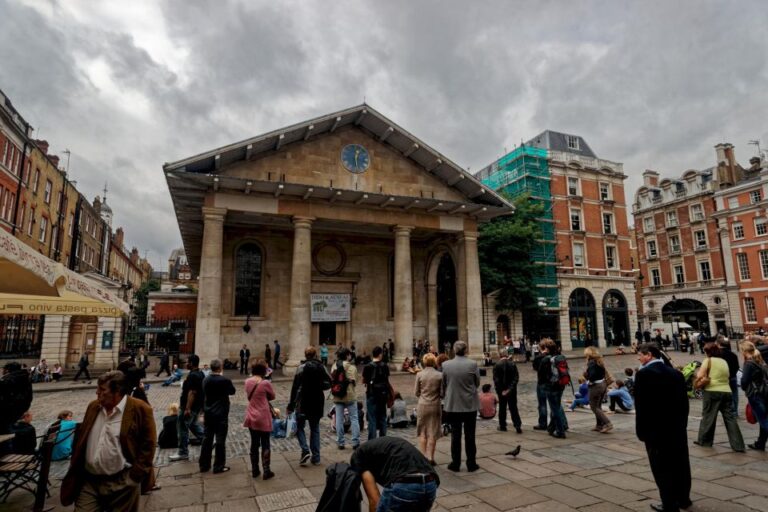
588, 471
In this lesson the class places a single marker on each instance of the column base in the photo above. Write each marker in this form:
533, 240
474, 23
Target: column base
290, 367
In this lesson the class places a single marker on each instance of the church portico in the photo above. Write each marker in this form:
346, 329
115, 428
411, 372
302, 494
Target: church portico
306, 248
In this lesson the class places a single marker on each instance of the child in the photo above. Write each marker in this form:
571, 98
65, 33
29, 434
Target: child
168, 437
621, 397
581, 398
63, 447
488, 403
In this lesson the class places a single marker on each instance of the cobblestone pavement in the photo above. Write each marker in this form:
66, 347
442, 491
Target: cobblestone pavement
588, 471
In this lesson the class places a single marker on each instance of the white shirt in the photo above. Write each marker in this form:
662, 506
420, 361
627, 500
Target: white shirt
103, 453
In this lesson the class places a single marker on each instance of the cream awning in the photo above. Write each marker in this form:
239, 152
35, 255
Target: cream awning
32, 284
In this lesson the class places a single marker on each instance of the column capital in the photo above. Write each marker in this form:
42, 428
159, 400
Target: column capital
302, 222
213, 213
402, 230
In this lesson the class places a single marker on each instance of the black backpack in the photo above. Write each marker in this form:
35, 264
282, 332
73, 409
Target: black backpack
379, 384
339, 381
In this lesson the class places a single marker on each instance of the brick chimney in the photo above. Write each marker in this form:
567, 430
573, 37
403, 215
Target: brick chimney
42, 145
727, 168
54, 159
97, 204
119, 236
135, 256
650, 178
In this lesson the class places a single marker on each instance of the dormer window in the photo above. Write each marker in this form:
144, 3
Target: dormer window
572, 141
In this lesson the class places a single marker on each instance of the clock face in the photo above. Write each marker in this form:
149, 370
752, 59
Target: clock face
355, 158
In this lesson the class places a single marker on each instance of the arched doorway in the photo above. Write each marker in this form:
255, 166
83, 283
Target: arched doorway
581, 318
691, 311
82, 336
615, 318
502, 328
447, 310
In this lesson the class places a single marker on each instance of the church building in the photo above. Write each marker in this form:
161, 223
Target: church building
344, 228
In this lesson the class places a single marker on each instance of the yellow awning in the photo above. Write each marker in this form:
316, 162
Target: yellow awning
31, 283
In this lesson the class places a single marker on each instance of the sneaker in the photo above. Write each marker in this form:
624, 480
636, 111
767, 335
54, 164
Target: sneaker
177, 457
304, 458
755, 446
519, 430
342, 447
606, 428
539, 427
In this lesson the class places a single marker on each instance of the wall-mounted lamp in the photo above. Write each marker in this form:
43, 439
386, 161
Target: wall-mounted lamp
247, 326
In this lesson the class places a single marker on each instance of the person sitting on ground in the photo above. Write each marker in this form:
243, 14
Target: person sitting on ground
62, 449
399, 412
175, 376
168, 437
487, 360
488, 402
621, 397
57, 372
25, 441
581, 397
629, 382
406, 364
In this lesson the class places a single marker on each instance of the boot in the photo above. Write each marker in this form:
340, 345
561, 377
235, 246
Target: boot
266, 457
255, 464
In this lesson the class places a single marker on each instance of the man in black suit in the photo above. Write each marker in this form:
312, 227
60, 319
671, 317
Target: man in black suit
245, 355
661, 405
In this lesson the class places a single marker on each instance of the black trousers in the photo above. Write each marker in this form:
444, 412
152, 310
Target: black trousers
243, 366
617, 401
468, 422
81, 370
509, 401
215, 430
164, 368
671, 468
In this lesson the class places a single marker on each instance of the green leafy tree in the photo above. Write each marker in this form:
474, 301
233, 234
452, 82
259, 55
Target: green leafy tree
504, 249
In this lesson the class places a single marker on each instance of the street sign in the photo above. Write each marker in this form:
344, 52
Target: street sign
145, 329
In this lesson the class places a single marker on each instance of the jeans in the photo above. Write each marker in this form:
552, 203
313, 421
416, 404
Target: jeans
579, 401
314, 436
509, 401
615, 400
467, 421
355, 423
735, 392
715, 402
398, 497
760, 410
184, 426
556, 413
215, 428
377, 418
541, 398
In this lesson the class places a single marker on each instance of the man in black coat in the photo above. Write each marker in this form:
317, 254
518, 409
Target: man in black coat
661, 405
217, 389
165, 363
505, 379
245, 355
308, 400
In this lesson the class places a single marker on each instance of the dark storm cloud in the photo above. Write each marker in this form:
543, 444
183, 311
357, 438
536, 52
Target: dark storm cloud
651, 84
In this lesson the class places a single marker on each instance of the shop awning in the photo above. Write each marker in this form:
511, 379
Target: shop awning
32, 284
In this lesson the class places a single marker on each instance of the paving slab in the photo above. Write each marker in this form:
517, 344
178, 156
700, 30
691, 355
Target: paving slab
566, 495
509, 496
285, 499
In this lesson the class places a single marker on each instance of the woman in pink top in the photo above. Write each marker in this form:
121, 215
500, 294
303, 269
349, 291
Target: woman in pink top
488, 403
258, 418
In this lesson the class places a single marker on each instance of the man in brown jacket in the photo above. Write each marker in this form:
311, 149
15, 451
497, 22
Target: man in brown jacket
112, 452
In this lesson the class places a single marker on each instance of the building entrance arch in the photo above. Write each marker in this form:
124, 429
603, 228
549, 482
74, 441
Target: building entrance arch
615, 318
502, 328
691, 311
581, 318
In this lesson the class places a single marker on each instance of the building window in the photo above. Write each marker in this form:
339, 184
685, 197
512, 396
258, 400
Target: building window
610, 256
697, 213
761, 226
248, 261
605, 191
733, 202
648, 225
743, 262
31, 221
608, 223
749, 309
672, 219
706, 273
679, 189
578, 255
47, 194
738, 230
43, 229
71, 223
679, 275
674, 244
573, 142
656, 197
755, 196
701, 239
27, 172
575, 219
22, 214
764, 263
655, 277
36, 183
573, 186
651, 244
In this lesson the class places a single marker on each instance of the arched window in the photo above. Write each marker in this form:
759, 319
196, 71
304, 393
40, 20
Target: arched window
248, 261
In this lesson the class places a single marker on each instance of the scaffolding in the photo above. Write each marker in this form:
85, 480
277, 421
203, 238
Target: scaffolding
526, 171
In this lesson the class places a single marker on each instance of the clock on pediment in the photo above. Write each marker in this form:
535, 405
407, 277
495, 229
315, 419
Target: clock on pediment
355, 158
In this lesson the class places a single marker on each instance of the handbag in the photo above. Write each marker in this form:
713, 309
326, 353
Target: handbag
750, 415
608, 379
700, 382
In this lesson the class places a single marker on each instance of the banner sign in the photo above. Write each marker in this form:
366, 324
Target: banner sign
330, 307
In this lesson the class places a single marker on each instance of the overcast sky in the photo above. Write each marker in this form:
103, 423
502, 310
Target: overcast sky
127, 86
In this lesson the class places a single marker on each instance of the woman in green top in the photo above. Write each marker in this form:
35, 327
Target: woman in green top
717, 398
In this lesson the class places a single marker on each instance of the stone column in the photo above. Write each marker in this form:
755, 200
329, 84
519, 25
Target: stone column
432, 313
55, 340
299, 330
208, 325
474, 297
403, 294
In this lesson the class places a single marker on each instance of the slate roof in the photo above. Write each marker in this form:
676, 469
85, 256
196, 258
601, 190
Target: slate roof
557, 141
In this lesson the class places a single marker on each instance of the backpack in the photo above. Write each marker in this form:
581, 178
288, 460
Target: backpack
339, 381
379, 384
560, 376
759, 389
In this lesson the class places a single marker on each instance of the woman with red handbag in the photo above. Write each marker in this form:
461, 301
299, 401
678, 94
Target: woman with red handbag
753, 381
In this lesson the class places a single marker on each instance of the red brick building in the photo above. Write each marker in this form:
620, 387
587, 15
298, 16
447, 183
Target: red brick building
171, 320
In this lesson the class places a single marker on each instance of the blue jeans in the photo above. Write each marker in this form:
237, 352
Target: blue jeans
580, 401
400, 497
541, 398
314, 436
352, 408
377, 418
556, 413
184, 426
